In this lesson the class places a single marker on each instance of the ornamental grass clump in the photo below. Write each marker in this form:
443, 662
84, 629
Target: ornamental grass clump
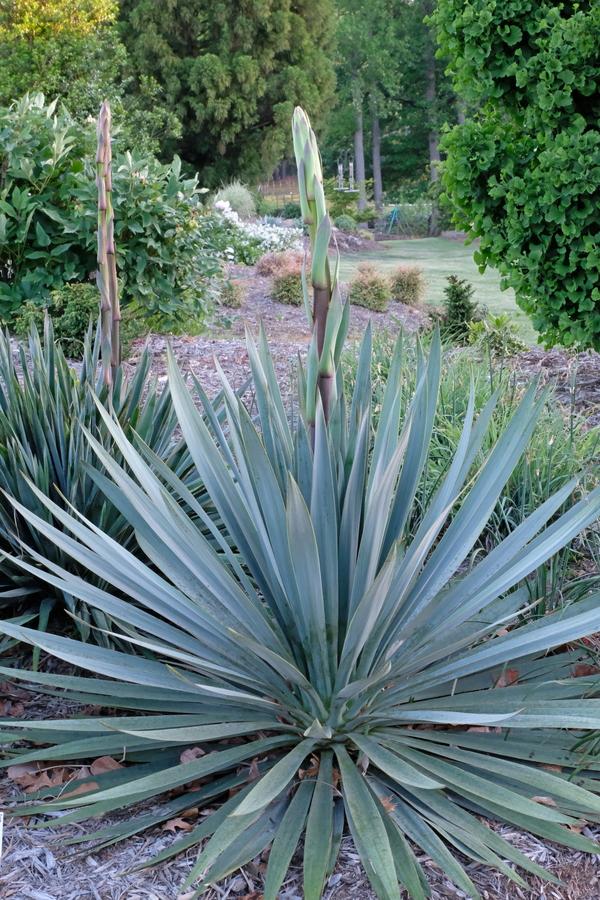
407, 285
286, 286
369, 288
310, 666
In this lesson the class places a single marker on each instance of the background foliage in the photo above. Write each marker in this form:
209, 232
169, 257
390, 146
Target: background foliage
233, 79
48, 217
524, 170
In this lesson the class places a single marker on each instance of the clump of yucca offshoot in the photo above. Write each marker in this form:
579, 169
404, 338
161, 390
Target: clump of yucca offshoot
311, 665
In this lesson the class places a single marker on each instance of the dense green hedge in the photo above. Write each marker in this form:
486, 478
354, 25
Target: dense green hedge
523, 172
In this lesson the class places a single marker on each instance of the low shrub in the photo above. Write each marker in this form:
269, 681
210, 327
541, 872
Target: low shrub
345, 223
369, 288
460, 308
408, 285
290, 210
265, 206
232, 294
239, 197
287, 286
277, 262
72, 308
497, 335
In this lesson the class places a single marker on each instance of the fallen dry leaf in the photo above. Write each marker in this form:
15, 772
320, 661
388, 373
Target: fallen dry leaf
178, 824
20, 770
585, 669
14, 710
104, 764
508, 677
81, 789
191, 753
12, 690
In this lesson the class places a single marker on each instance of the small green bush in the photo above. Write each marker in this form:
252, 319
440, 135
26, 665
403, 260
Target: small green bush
239, 197
408, 285
72, 308
345, 223
264, 206
497, 335
460, 307
369, 288
287, 286
290, 210
232, 294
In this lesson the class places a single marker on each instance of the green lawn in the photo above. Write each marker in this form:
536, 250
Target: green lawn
438, 258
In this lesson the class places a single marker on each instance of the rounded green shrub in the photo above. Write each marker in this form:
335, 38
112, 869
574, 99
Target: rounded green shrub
231, 294
369, 288
287, 287
408, 285
239, 196
290, 210
345, 223
166, 253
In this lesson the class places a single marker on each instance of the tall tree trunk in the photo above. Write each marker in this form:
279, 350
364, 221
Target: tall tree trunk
359, 151
433, 135
376, 154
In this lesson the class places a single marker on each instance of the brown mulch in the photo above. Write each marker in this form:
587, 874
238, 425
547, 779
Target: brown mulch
286, 328
575, 377
34, 865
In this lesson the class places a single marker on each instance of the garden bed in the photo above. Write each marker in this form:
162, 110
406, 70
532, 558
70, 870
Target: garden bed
35, 866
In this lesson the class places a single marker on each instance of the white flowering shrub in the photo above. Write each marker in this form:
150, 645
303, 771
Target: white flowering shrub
245, 242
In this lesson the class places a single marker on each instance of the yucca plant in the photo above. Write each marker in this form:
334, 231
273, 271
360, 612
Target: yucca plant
328, 670
46, 407
313, 665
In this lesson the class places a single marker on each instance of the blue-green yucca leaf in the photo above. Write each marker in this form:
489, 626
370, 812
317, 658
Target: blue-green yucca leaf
329, 666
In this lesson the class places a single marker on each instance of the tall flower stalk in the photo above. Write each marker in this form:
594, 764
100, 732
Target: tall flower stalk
106, 273
327, 314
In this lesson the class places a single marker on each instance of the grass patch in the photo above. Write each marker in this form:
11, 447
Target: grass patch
438, 258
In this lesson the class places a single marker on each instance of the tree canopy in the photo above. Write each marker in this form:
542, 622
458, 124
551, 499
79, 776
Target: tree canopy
40, 18
232, 78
